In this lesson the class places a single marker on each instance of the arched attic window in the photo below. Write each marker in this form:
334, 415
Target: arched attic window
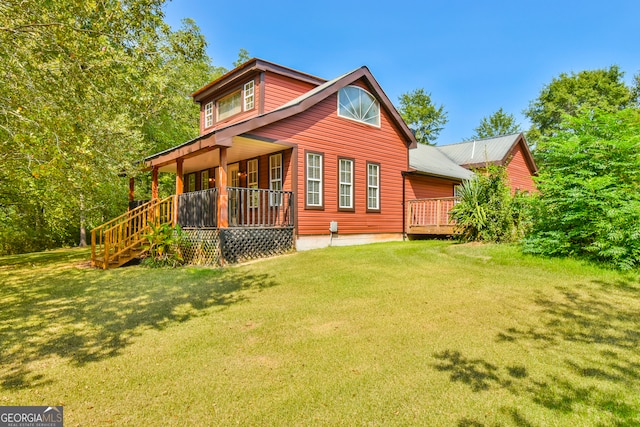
357, 104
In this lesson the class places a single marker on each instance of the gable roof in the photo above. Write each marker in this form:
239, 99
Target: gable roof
223, 135
495, 150
251, 66
454, 160
429, 160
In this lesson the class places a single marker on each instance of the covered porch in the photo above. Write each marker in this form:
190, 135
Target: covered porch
233, 199
234, 196
228, 182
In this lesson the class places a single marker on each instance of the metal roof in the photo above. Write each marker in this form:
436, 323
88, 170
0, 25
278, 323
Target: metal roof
430, 160
489, 150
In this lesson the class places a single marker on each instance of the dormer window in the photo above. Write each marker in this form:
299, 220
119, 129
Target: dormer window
230, 105
208, 115
236, 102
357, 104
248, 96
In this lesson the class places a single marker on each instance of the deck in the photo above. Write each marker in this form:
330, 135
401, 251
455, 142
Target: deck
430, 216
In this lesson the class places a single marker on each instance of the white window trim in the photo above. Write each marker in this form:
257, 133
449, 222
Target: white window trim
208, 114
252, 182
376, 187
342, 183
275, 183
378, 124
249, 95
318, 180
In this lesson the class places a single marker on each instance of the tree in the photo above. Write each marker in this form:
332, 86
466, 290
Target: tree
422, 116
636, 89
603, 89
86, 89
499, 123
589, 203
243, 56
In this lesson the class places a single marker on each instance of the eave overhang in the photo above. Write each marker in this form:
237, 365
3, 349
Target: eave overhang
241, 73
223, 137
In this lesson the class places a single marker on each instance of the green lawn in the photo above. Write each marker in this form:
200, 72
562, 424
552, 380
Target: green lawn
413, 333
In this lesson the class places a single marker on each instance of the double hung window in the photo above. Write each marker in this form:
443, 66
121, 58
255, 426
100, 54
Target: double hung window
314, 180
275, 178
373, 187
252, 182
208, 115
345, 184
249, 99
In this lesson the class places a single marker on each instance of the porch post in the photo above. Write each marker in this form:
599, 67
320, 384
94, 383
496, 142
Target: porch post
179, 179
223, 197
154, 183
179, 189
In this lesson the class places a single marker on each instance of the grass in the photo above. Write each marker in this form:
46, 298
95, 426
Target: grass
413, 333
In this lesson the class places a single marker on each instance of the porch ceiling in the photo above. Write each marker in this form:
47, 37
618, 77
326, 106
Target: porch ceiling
243, 148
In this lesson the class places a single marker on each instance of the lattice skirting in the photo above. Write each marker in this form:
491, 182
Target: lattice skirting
201, 246
233, 245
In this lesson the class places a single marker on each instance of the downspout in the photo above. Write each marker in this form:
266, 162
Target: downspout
404, 214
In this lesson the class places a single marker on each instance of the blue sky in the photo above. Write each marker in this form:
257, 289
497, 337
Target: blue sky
472, 56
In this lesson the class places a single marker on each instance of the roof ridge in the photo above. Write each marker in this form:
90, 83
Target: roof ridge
479, 140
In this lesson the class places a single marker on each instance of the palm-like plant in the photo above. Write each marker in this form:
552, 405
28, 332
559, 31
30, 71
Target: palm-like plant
486, 210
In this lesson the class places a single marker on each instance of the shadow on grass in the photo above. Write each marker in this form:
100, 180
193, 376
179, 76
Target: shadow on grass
596, 328
514, 417
586, 316
478, 374
51, 308
593, 329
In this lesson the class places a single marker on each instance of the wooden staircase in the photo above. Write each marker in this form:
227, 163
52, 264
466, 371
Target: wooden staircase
120, 240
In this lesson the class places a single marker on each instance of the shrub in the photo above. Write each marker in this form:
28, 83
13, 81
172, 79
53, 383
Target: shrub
487, 211
163, 246
589, 182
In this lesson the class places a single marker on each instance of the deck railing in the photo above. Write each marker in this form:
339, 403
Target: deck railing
425, 215
113, 241
253, 207
198, 209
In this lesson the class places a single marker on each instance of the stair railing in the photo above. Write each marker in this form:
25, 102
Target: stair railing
125, 233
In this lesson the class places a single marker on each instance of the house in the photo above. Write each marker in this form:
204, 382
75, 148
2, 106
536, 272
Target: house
285, 160
435, 172
510, 151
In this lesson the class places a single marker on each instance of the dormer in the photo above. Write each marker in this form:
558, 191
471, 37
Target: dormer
252, 89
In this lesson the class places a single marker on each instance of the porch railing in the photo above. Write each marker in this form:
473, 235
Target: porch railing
424, 215
253, 207
198, 209
246, 207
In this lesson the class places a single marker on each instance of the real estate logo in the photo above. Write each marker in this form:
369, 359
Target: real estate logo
31, 416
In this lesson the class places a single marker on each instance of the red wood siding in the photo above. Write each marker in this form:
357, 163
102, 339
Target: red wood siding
427, 187
519, 173
280, 89
319, 129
